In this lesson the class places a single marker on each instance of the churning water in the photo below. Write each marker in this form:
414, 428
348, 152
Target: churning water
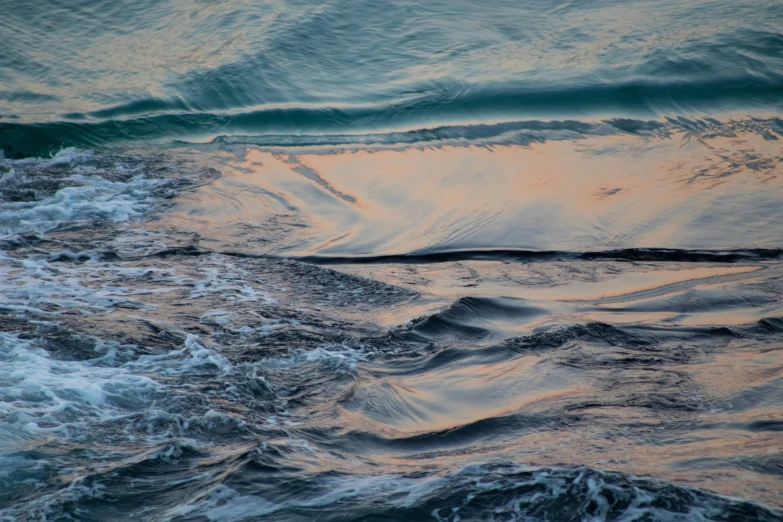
445, 261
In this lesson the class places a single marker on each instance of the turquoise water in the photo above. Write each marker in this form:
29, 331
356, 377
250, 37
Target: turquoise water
380, 261
88, 73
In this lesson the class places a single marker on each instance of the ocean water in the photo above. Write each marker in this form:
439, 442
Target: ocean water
499, 261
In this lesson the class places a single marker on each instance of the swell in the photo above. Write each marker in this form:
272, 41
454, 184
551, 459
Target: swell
459, 115
626, 254
640, 338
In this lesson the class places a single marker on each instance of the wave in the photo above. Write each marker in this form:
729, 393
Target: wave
81, 187
168, 405
507, 116
498, 491
469, 318
626, 254
577, 96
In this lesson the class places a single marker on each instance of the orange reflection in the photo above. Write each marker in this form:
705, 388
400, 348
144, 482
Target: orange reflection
591, 194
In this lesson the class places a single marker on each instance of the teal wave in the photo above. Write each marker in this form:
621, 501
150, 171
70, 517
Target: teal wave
463, 115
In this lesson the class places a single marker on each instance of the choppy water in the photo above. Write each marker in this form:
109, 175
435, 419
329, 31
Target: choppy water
411, 261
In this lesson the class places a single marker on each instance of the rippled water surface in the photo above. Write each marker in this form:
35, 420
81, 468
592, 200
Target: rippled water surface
405, 261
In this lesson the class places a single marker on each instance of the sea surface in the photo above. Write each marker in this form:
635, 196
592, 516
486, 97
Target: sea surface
404, 260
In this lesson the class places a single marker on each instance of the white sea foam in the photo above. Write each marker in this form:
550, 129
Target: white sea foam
202, 356
223, 503
336, 357
230, 282
85, 194
41, 395
526, 493
94, 198
37, 285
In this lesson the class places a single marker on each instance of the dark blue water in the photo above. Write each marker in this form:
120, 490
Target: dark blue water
88, 73
379, 261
